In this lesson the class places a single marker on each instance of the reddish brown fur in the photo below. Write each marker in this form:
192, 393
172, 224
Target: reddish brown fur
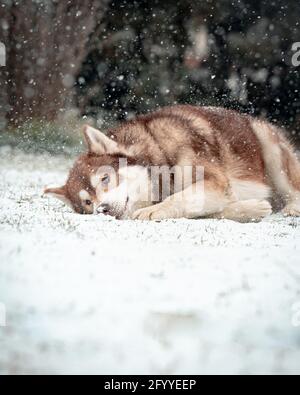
220, 140
291, 167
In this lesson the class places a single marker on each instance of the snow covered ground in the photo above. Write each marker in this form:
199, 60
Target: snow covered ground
86, 294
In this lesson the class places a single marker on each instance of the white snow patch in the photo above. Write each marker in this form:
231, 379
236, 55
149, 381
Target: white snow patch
85, 294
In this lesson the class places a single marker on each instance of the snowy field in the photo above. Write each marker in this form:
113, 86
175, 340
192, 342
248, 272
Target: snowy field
86, 294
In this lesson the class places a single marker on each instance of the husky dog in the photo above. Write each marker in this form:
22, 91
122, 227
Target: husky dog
245, 162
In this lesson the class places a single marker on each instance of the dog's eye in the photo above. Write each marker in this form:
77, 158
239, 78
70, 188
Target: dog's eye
88, 203
106, 179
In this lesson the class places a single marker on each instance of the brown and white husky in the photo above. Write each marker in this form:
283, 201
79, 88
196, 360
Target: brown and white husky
244, 161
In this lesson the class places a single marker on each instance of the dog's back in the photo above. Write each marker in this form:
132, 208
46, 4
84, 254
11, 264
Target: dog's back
244, 148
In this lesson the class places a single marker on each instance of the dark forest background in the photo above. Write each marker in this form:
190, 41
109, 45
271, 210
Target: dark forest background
104, 61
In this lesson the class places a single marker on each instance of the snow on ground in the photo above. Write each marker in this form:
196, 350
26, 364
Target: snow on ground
88, 294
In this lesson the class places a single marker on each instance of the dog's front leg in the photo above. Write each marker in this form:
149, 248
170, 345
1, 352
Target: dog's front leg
160, 211
198, 200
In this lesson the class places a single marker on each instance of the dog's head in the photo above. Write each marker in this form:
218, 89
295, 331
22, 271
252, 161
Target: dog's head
105, 180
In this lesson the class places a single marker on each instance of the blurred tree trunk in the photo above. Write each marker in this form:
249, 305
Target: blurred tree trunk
46, 44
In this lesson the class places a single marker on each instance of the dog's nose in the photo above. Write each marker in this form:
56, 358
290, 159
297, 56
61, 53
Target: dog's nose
103, 209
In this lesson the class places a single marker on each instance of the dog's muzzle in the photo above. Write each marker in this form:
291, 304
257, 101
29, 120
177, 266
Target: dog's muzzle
104, 209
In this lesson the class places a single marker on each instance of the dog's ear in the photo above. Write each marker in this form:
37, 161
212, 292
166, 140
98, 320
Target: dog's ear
98, 143
58, 193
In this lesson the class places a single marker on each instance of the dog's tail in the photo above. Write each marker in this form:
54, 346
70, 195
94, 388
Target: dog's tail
281, 161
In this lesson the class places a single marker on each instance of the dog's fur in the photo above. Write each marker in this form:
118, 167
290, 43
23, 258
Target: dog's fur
246, 161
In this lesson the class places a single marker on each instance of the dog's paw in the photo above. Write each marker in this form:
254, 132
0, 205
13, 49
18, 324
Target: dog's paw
260, 209
152, 213
247, 211
159, 212
292, 210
